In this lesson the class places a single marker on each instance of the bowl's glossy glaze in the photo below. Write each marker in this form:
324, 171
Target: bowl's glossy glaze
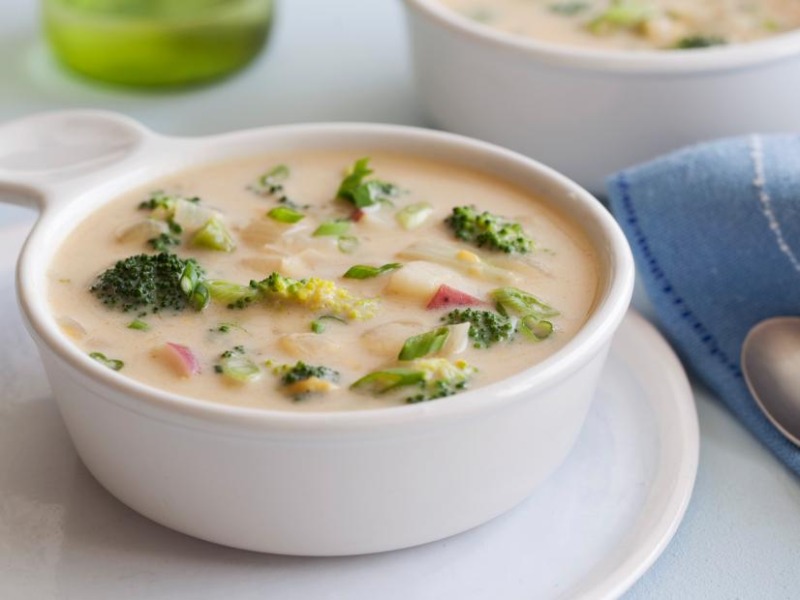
306, 484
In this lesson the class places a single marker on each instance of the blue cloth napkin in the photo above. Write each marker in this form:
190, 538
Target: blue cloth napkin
715, 231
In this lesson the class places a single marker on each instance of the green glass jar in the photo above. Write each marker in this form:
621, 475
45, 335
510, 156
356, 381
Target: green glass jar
156, 42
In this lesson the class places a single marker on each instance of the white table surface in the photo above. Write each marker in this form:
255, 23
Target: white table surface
348, 61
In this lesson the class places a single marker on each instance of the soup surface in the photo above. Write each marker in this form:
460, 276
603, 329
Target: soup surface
636, 24
316, 285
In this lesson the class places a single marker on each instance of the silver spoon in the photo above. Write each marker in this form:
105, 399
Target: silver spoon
771, 367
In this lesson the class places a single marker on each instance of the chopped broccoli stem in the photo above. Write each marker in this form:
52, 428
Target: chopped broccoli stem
233, 295
152, 282
214, 236
487, 229
486, 327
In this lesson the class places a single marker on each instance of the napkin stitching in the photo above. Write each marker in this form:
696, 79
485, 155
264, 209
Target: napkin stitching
760, 182
706, 337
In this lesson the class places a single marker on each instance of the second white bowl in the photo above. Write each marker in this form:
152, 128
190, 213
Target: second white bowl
591, 112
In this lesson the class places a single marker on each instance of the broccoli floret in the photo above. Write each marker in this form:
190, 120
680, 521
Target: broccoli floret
302, 380
699, 41
487, 229
436, 378
301, 371
152, 282
318, 295
486, 327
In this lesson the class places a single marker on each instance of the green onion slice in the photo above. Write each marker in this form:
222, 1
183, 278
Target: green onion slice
424, 344
195, 290
534, 328
200, 297
332, 229
284, 214
514, 301
111, 363
380, 382
366, 271
138, 325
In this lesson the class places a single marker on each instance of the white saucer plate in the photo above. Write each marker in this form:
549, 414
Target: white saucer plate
590, 532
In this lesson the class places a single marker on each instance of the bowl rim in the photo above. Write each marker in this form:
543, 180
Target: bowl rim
717, 58
606, 316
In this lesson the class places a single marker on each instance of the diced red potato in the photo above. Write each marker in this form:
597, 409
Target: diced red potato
447, 296
180, 359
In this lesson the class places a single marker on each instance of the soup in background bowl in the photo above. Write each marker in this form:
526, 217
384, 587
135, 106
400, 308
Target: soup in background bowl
590, 110
304, 483
636, 24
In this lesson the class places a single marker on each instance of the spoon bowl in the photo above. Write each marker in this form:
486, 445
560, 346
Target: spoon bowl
771, 367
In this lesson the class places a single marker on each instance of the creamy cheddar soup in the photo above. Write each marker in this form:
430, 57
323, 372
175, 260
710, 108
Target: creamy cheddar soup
636, 24
323, 281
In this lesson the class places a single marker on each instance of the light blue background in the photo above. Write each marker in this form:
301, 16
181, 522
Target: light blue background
348, 60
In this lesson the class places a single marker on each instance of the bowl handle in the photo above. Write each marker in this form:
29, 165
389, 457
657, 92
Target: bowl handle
43, 154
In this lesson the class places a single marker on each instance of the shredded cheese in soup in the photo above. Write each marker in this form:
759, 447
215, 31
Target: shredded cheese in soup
323, 281
636, 24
